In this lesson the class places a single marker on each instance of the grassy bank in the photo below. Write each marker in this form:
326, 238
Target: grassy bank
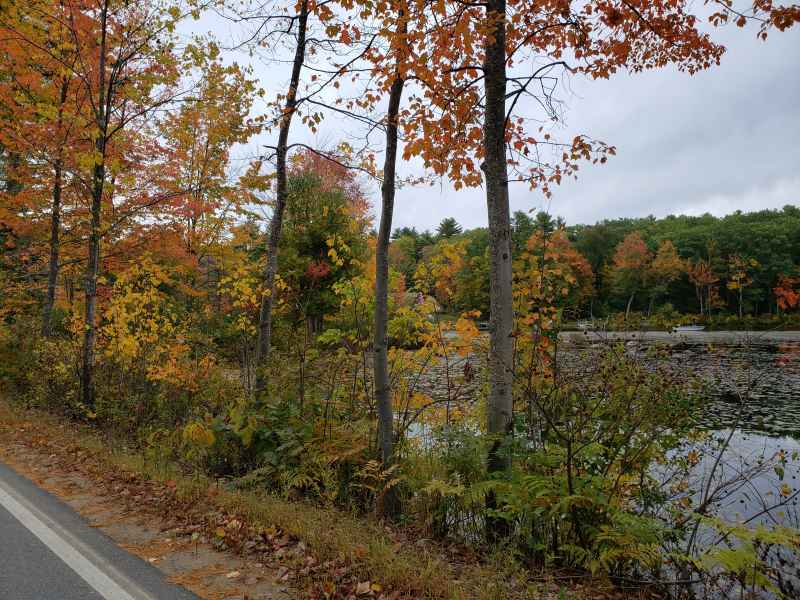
354, 549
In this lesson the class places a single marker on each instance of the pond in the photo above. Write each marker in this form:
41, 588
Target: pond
750, 406
753, 377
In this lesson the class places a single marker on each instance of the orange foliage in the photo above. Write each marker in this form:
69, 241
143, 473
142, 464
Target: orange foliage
787, 292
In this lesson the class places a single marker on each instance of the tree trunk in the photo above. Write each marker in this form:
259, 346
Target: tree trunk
383, 391
55, 223
52, 274
740, 302
501, 319
98, 183
13, 163
628, 308
281, 196
92, 267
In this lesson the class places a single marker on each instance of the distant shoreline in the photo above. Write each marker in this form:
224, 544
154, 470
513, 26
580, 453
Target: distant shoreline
692, 337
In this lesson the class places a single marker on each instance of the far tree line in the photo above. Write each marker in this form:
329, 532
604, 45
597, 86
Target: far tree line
740, 264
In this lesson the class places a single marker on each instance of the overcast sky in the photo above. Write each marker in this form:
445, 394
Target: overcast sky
722, 140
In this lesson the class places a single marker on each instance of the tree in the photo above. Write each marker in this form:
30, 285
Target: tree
324, 239
309, 28
522, 227
195, 168
666, 267
550, 272
629, 268
472, 282
383, 391
126, 68
438, 273
44, 118
703, 277
490, 55
448, 228
298, 25
740, 276
405, 232
403, 256
787, 292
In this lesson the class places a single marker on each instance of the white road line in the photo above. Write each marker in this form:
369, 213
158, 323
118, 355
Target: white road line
78, 562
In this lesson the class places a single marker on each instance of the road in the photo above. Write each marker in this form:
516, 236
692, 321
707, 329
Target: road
47, 552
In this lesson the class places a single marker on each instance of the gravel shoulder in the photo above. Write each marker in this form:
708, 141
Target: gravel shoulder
132, 514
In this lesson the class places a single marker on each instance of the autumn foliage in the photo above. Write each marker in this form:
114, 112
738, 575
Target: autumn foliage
194, 263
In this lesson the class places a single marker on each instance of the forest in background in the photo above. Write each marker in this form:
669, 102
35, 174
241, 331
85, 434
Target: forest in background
246, 321
675, 266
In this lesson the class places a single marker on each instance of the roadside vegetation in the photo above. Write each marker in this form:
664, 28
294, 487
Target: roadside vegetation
249, 323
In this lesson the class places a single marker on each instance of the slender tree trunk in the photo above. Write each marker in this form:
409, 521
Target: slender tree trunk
92, 267
55, 223
383, 391
281, 196
628, 308
55, 229
13, 163
501, 319
98, 183
740, 302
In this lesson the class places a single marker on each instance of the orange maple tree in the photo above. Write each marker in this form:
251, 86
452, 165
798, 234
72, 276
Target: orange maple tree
787, 292
630, 266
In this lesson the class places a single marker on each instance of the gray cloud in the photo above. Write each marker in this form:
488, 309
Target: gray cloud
722, 140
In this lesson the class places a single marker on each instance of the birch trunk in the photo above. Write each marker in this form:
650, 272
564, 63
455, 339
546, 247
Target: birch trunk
628, 307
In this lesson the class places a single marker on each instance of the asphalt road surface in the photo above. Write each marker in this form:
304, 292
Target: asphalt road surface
47, 552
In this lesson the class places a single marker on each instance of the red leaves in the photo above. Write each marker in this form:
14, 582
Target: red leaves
318, 269
787, 292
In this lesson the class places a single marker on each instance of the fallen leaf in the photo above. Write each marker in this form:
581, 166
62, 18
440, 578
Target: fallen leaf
363, 588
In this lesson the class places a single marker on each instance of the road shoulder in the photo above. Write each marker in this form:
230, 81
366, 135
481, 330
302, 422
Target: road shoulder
142, 518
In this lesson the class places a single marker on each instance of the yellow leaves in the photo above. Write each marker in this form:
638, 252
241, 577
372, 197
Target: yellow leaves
337, 249
138, 318
438, 273
419, 400
334, 256
467, 332
243, 290
199, 434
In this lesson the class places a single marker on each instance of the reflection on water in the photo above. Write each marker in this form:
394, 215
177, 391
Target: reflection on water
753, 387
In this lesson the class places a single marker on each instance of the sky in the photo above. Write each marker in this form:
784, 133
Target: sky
722, 140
